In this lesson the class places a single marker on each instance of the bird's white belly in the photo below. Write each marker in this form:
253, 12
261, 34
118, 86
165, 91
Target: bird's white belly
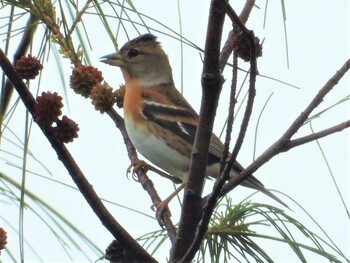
157, 151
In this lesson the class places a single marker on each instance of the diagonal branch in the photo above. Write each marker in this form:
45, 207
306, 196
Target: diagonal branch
128, 243
79, 16
317, 135
283, 143
316, 101
142, 177
22, 48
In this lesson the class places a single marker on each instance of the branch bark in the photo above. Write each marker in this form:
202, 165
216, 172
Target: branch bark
228, 46
212, 81
318, 135
142, 177
213, 197
133, 251
252, 79
7, 88
285, 143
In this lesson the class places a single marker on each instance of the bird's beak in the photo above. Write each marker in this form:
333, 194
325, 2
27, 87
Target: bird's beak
114, 59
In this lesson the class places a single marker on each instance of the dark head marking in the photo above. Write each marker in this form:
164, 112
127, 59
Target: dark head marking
143, 39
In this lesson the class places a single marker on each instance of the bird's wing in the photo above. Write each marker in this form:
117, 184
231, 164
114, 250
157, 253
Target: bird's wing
181, 120
174, 114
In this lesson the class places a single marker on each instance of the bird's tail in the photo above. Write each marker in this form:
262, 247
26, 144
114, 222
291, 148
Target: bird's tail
253, 182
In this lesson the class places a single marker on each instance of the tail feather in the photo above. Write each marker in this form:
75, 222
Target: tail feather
253, 182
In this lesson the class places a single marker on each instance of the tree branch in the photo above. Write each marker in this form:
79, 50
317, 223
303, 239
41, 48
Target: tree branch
282, 143
22, 48
133, 250
252, 79
231, 111
228, 47
212, 81
213, 197
142, 177
211, 201
317, 135
78, 17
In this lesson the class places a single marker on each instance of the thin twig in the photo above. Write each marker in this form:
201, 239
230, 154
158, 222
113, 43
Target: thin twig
250, 101
252, 79
138, 253
282, 143
231, 111
22, 48
142, 177
317, 135
228, 46
79, 16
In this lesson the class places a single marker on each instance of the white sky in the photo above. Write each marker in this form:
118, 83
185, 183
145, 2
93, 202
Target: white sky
318, 44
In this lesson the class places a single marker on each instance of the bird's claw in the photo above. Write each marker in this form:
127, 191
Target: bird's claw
134, 167
161, 209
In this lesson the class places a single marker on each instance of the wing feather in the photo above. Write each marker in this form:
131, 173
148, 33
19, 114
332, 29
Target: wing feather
182, 122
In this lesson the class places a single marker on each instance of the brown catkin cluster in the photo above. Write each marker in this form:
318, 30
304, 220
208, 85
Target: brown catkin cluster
3, 239
103, 97
119, 94
28, 67
66, 130
241, 46
84, 78
48, 110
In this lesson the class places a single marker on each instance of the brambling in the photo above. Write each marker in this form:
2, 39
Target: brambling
160, 122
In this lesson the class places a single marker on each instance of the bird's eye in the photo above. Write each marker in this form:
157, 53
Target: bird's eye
133, 53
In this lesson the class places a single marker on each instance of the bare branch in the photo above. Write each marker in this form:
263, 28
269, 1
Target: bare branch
213, 197
317, 135
128, 243
283, 142
79, 16
142, 177
231, 111
22, 48
316, 101
228, 47
212, 81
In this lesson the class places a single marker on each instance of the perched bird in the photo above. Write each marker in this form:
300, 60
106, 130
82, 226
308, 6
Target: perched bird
160, 122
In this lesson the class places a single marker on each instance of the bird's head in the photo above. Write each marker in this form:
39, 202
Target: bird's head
143, 60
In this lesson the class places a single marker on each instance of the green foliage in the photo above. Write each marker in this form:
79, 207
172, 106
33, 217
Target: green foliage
66, 233
239, 233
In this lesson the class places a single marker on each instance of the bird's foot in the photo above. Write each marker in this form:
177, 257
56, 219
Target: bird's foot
161, 209
134, 167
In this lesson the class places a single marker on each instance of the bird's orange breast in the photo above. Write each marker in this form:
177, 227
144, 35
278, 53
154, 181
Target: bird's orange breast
132, 102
